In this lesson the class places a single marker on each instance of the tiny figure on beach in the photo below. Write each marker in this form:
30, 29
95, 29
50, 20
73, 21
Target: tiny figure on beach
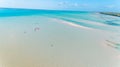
36, 29
51, 45
25, 32
113, 44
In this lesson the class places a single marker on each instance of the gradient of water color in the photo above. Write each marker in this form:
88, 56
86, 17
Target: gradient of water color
45, 38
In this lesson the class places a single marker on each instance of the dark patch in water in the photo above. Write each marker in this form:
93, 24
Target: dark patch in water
113, 44
112, 23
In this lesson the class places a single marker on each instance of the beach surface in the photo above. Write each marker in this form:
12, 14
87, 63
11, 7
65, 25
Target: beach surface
40, 41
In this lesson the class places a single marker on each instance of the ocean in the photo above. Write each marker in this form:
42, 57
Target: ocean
84, 18
56, 38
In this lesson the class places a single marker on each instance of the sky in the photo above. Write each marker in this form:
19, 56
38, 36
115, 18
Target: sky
80, 5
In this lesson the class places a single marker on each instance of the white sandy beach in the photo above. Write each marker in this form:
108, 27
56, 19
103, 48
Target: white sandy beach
55, 43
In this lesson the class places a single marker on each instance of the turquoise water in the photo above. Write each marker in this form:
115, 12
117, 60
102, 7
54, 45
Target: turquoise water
98, 21
93, 20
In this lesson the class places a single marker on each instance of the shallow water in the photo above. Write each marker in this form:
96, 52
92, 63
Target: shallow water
41, 38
